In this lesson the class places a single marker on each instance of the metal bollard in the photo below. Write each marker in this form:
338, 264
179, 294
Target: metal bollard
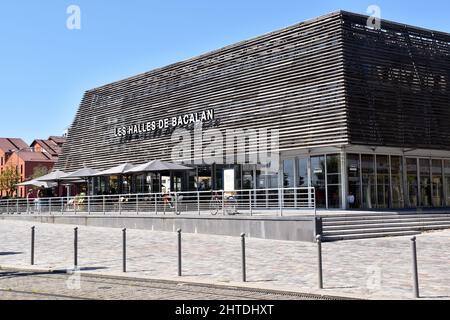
137, 204
32, 244
250, 202
198, 202
319, 260
124, 233
415, 269
75, 247
179, 252
244, 271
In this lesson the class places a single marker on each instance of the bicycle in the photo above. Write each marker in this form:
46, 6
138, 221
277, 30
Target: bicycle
229, 205
170, 199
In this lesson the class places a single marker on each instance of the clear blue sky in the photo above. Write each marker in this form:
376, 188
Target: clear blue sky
45, 68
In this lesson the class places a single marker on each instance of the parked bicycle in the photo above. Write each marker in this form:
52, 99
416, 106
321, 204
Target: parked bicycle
174, 200
228, 205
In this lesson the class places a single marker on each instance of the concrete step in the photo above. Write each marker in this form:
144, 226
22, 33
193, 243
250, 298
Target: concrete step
339, 213
378, 221
384, 229
382, 225
384, 217
369, 235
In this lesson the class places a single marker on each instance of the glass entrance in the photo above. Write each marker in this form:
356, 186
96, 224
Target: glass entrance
425, 183
412, 184
354, 181
437, 183
318, 180
398, 200
383, 182
368, 181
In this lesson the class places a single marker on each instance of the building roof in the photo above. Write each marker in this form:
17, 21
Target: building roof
29, 156
7, 144
57, 139
51, 145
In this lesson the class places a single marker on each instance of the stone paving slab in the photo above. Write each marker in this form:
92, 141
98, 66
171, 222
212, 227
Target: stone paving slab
43, 285
372, 268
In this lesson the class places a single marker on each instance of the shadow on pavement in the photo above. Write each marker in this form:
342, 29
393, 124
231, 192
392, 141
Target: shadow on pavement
9, 253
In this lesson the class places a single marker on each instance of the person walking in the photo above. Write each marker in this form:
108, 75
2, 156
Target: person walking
38, 200
30, 197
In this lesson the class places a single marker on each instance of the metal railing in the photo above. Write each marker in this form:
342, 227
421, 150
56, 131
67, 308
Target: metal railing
243, 202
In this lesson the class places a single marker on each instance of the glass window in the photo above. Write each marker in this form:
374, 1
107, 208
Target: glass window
318, 179
334, 181
368, 181
126, 184
141, 183
114, 185
302, 172
288, 182
354, 181
447, 181
437, 183
288, 173
411, 179
425, 183
397, 182
261, 181
192, 180
204, 178
247, 177
383, 182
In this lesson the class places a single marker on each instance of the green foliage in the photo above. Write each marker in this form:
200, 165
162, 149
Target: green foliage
8, 180
39, 171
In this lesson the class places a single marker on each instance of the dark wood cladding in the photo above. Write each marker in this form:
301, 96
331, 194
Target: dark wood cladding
398, 85
291, 80
330, 81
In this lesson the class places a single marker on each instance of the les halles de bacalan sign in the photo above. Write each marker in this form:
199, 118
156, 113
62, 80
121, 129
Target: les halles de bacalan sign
166, 126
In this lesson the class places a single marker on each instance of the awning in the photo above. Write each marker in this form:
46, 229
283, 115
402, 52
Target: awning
157, 166
118, 170
54, 176
84, 173
36, 183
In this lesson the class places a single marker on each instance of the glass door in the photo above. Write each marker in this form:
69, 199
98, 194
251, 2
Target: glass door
318, 180
368, 181
334, 181
354, 181
383, 182
425, 183
398, 200
412, 182
437, 183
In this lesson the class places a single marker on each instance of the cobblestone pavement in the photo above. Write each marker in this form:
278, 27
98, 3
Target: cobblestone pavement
27, 285
373, 268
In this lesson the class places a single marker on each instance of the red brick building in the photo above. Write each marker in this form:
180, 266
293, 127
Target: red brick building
25, 159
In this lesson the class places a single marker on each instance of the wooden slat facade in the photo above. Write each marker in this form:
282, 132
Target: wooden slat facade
398, 85
309, 81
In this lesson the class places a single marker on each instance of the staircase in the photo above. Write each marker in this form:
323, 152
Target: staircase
352, 226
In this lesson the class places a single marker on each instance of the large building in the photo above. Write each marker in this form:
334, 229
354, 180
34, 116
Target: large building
358, 113
27, 160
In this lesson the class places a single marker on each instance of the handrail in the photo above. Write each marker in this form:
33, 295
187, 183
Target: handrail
243, 201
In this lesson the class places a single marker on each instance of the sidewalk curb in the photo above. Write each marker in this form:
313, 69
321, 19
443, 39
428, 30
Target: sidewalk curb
299, 294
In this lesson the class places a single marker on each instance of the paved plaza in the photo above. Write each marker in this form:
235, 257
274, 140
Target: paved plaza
374, 269
27, 285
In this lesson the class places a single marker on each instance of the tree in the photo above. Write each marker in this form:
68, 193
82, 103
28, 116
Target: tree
39, 171
9, 178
